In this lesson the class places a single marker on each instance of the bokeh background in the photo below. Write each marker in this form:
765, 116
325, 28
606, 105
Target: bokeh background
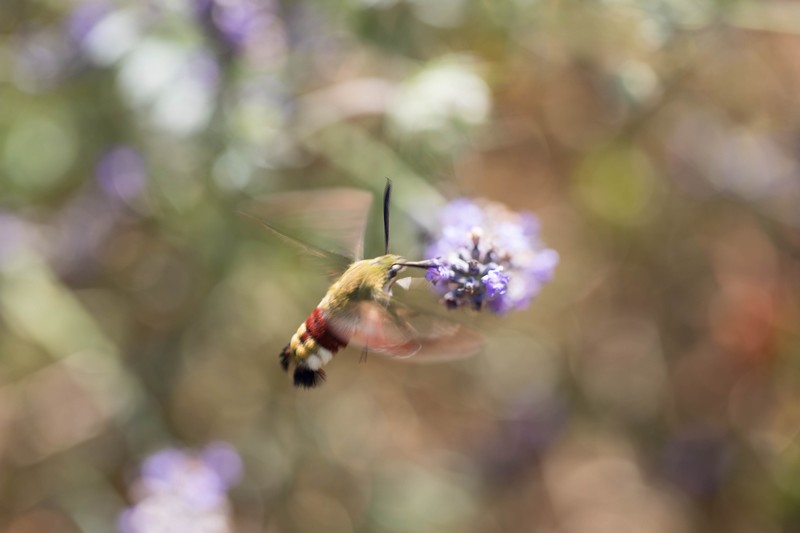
653, 387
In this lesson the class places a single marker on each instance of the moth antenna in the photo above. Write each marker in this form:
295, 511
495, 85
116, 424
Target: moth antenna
387, 195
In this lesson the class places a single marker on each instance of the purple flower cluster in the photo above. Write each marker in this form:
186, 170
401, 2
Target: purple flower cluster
184, 491
489, 256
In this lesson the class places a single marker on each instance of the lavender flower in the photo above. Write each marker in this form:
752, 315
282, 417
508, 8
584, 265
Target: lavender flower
184, 491
438, 273
487, 255
496, 284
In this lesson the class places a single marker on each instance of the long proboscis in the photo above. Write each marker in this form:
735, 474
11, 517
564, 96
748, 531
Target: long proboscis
428, 263
387, 195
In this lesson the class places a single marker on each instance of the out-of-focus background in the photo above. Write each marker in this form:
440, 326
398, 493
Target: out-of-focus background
653, 387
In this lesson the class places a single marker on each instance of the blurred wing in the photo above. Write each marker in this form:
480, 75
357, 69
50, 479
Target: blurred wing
403, 333
333, 220
327, 224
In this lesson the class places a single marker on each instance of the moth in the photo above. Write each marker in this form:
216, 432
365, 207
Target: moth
359, 307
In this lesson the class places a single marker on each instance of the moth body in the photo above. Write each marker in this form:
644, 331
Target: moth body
325, 331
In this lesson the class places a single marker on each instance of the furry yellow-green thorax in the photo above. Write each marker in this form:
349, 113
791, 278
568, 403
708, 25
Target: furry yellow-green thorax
368, 279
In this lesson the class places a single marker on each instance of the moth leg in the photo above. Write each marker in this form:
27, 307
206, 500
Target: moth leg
364, 354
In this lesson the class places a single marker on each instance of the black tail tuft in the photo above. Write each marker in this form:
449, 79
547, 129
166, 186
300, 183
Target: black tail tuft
284, 357
307, 378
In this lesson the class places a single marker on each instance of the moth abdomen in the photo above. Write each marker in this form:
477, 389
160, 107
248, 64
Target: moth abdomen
312, 347
318, 327
307, 378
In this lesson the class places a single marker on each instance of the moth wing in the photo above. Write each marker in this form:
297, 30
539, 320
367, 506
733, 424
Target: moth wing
440, 339
326, 224
369, 325
403, 333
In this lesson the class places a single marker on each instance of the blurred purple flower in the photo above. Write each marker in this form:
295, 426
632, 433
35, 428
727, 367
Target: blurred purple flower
204, 68
523, 434
16, 236
698, 461
39, 59
234, 22
121, 173
487, 255
438, 273
85, 17
224, 461
496, 284
184, 491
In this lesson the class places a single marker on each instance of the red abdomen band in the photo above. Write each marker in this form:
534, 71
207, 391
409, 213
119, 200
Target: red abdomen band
317, 327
